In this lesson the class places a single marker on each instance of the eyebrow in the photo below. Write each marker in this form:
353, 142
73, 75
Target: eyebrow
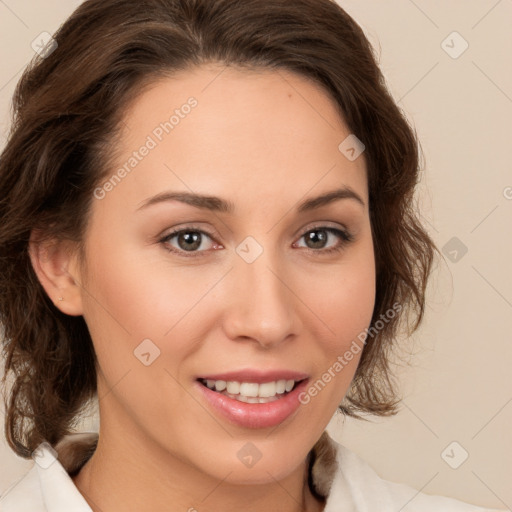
217, 204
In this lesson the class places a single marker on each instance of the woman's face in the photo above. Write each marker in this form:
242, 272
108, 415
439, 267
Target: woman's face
264, 284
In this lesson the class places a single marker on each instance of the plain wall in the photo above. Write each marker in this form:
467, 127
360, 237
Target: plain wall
457, 386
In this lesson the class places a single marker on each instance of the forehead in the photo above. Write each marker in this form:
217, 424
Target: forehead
215, 128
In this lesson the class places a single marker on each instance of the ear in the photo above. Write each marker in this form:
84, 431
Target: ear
55, 265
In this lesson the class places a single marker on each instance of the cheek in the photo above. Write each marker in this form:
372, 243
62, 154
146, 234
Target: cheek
347, 314
141, 295
346, 299
132, 297
345, 307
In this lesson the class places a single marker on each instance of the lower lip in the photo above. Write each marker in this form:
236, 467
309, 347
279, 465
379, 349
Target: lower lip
254, 415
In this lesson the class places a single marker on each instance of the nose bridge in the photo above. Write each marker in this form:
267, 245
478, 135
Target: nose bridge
263, 304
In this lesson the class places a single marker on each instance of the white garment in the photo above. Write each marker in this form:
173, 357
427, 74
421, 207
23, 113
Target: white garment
354, 485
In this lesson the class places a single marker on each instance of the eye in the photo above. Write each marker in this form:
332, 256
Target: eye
188, 240
317, 239
191, 241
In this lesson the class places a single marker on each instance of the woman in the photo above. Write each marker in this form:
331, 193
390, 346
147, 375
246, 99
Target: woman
207, 224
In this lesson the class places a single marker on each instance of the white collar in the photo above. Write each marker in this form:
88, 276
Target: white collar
349, 483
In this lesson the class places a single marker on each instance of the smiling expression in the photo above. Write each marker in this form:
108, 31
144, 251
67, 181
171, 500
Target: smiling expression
240, 249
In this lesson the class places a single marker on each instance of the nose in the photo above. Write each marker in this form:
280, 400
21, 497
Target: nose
261, 305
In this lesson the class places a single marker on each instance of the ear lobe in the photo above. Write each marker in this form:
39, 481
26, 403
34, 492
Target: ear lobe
54, 263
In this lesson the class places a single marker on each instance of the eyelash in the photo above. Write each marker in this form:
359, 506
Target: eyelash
344, 235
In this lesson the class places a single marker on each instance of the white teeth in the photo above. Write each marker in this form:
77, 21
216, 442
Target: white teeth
220, 385
280, 386
266, 400
289, 385
233, 387
249, 389
252, 392
252, 400
267, 389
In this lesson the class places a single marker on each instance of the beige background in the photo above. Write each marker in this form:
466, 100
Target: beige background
458, 386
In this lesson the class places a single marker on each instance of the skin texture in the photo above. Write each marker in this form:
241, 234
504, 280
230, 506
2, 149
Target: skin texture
264, 141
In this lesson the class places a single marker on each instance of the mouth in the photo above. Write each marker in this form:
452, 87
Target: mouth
253, 398
252, 392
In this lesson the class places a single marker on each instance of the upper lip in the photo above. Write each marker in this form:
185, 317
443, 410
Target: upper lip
257, 376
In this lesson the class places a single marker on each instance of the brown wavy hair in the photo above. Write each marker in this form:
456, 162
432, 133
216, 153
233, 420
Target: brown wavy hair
67, 110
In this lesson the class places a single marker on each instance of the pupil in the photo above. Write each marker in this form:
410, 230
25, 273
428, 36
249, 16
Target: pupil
192, 238
319, 240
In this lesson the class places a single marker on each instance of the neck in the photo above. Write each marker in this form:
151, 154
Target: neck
111, 481
128, 472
